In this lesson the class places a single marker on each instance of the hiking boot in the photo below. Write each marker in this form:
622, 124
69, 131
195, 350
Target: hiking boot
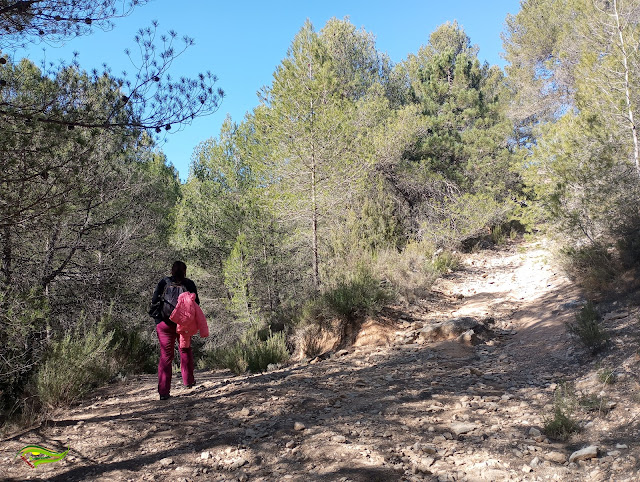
165, 397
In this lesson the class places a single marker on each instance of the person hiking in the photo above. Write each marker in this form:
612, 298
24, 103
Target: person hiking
163, 303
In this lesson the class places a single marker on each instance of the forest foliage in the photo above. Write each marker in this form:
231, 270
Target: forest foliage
351, 184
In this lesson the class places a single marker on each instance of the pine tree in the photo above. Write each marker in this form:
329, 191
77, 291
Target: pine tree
308, 126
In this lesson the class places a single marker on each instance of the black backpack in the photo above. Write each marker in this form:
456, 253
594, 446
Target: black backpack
172, 291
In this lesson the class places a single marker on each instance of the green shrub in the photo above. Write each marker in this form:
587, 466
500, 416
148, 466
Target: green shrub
498, 235
410, 272
510, 229
231, 357
260, 354
606, 376
445, 262
353, 295
629, 248
131, 351
587, 328
561, 424
314, 311
361, 294
23, 332
74, 365
251, 353
460, 218
594, 403
592, 267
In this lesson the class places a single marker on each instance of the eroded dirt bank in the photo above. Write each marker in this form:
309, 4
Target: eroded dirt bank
418, 408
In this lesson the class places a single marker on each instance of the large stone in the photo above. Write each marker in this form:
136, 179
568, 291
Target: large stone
469, 338
495, 474
557, 457
534, 432
586, 453
425, 448
449, 329
236, 463
422, 465
462, 428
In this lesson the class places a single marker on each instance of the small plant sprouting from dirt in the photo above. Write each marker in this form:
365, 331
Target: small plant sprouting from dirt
607, 376
587, 327
561, 424
446, 262
594, 403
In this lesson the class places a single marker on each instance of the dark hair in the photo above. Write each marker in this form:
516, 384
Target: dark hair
179, 270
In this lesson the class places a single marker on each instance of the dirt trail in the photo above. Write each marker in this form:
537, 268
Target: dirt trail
468, 409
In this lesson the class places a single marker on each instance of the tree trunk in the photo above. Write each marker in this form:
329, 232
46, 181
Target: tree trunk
314, 199
47, 266
314, 225
627, 89
6, 255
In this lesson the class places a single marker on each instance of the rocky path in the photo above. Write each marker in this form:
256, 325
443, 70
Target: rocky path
460, 393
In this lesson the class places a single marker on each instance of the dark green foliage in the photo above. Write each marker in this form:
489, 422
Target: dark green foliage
333, 316
560, 426
592, 266
588, 329
23, 333
231, 357
77, 209
446, 262
351, 297
89, 356
455, 171
328, 201
575, 97
314, 311
607, 376
260, 354
251, 353
360, 295
132, 350
373, 227
347, 162
85, 202
628, 245
594, 403
76, 363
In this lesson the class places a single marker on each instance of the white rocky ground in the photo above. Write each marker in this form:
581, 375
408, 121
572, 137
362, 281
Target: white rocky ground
410, 406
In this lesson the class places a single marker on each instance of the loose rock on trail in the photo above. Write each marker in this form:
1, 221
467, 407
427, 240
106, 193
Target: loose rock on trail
460, 391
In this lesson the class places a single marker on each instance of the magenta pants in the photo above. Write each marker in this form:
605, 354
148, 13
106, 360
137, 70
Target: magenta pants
167, 337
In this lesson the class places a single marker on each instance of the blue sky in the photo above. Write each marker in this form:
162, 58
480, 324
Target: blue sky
243, 42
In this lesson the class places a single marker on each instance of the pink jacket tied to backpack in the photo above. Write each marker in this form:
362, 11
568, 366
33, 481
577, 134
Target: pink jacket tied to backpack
190, 319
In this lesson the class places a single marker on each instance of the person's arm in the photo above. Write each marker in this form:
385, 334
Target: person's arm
191, 288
